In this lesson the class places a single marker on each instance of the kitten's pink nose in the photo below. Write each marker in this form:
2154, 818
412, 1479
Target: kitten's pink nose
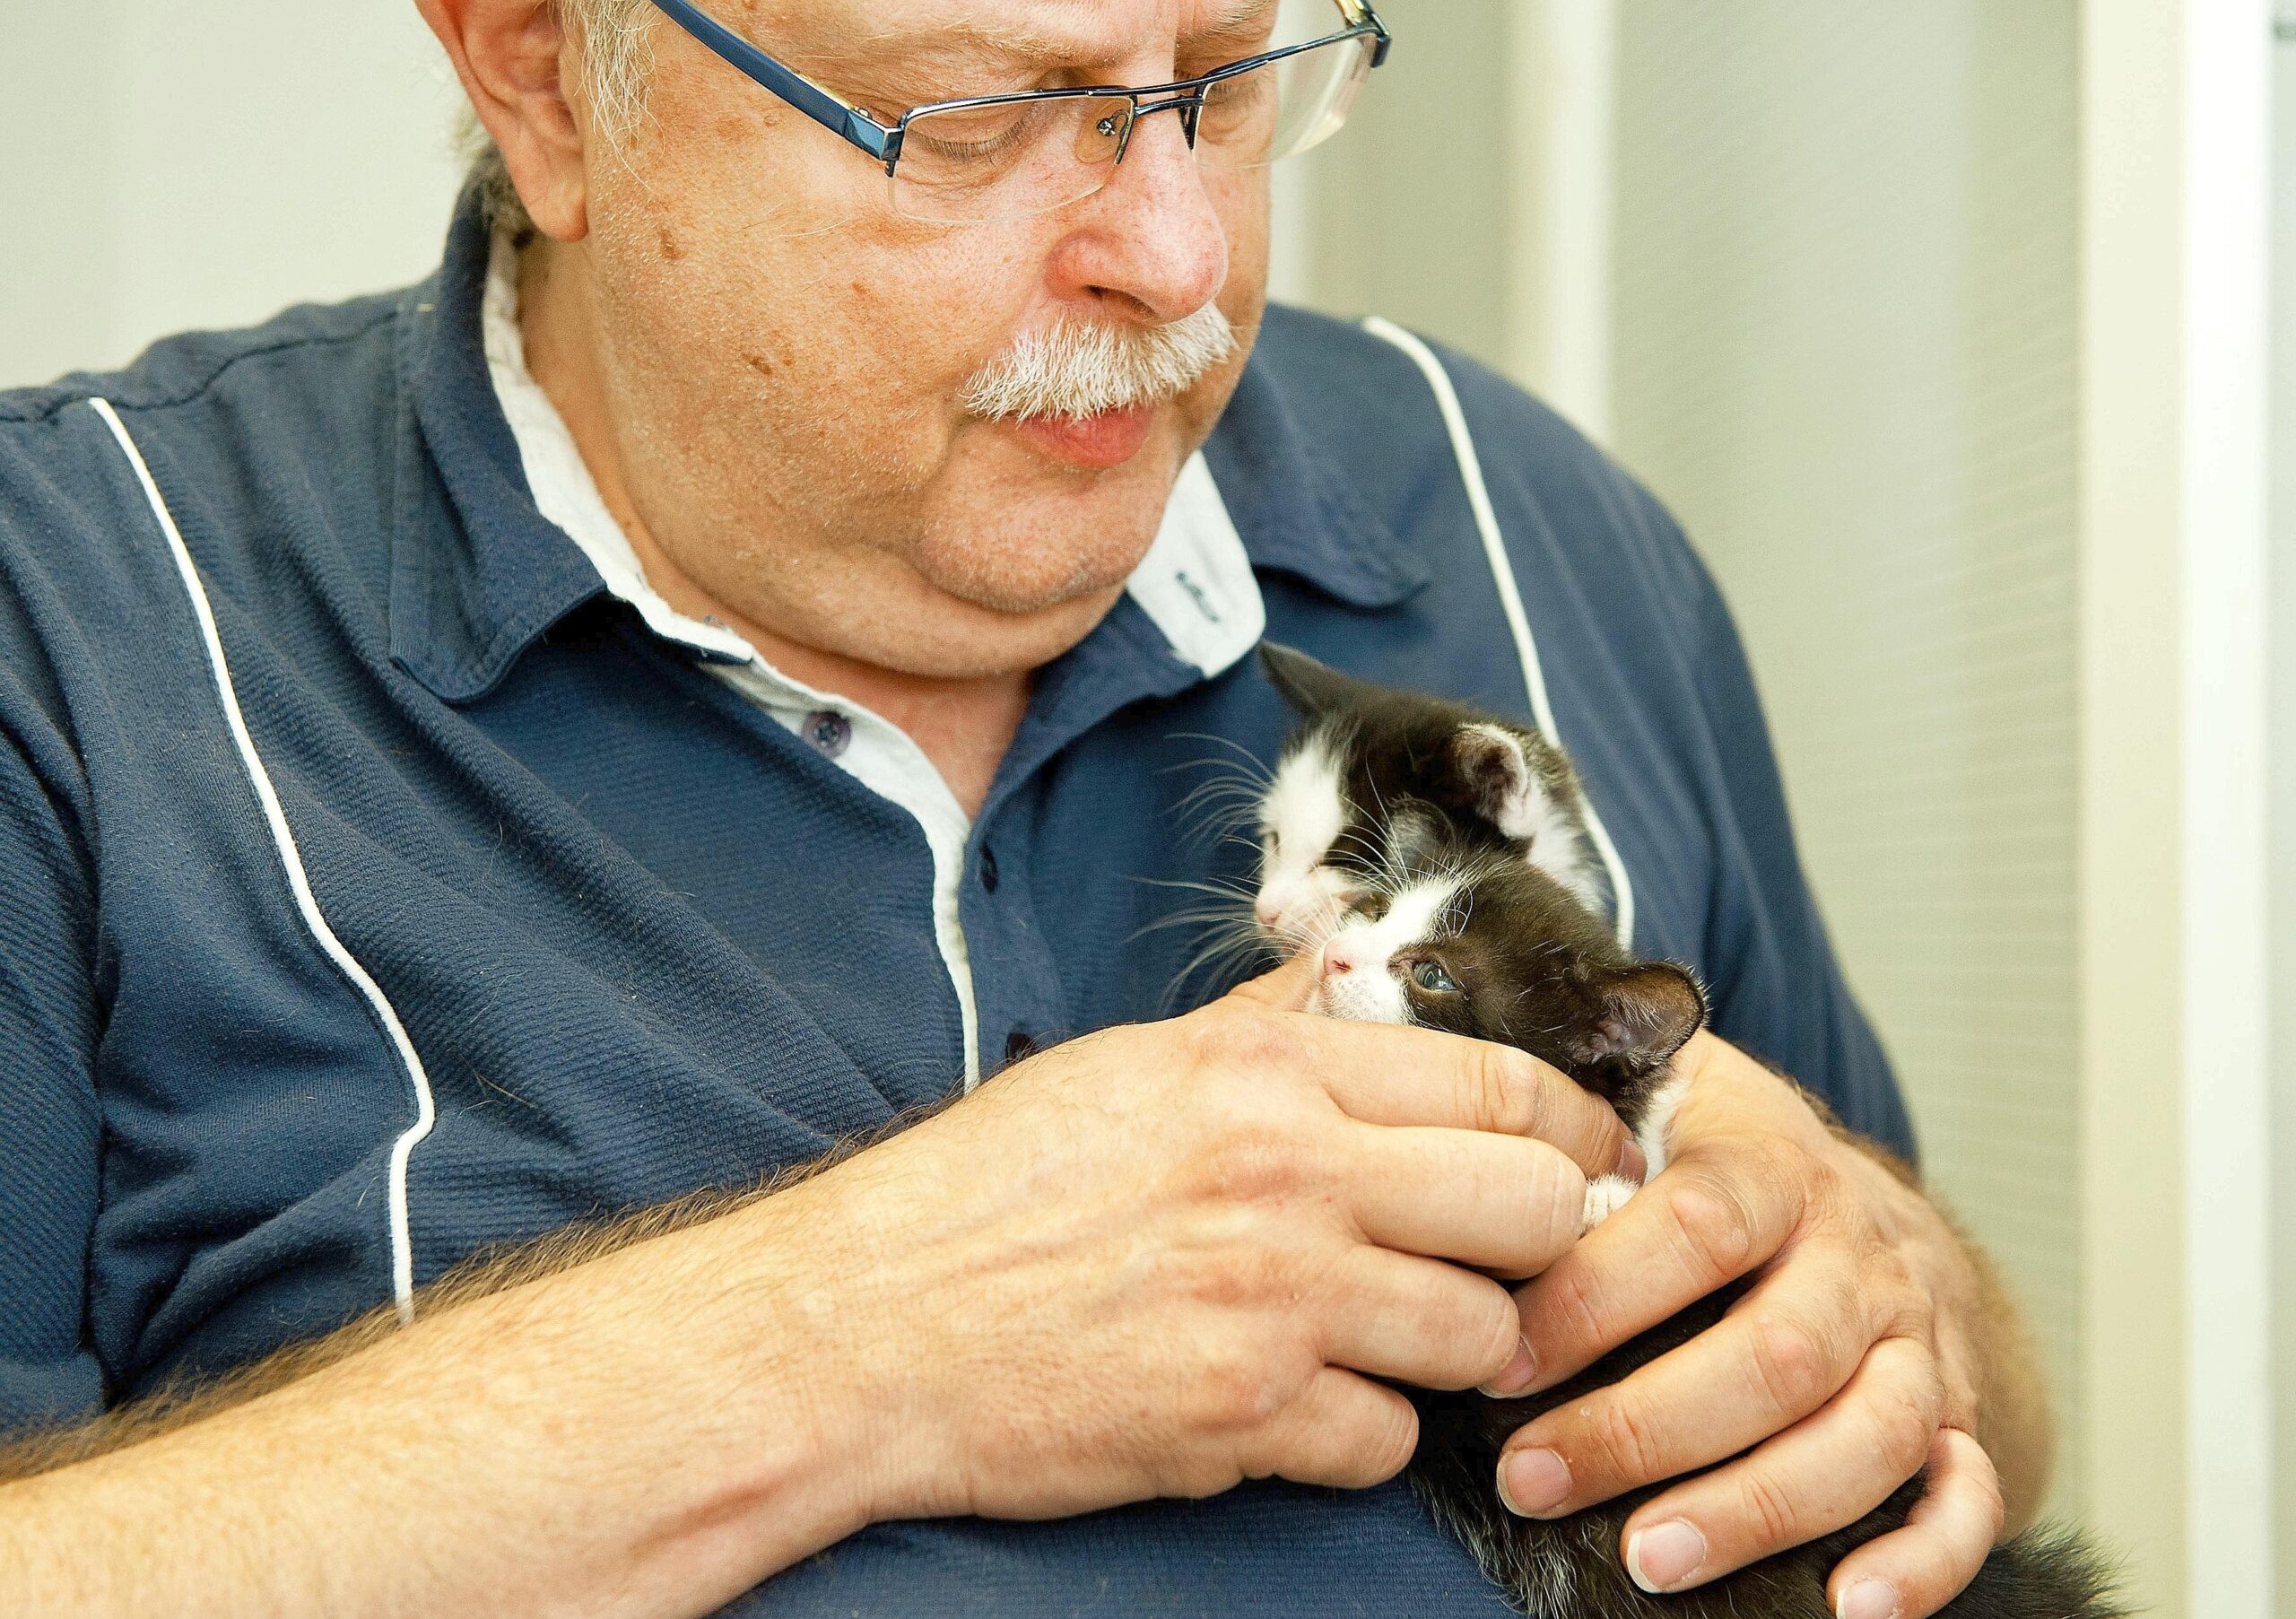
1336, 960
1266, 911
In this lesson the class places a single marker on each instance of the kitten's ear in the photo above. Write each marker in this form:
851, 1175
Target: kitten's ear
1496, 781
1310, 688
1646, 1013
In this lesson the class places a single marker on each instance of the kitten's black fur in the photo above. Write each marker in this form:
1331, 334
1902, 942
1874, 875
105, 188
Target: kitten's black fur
1402, 749
1537, 970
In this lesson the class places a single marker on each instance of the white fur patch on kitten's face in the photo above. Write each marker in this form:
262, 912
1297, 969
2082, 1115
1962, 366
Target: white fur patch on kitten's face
1301, 896
1362, 969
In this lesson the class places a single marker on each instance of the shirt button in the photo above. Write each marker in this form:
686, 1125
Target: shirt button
829, 731
988, 878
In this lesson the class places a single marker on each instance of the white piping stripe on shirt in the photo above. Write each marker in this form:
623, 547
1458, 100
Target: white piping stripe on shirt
1510, 598
282, 838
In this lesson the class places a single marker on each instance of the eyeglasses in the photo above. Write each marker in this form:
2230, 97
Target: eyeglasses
992, 158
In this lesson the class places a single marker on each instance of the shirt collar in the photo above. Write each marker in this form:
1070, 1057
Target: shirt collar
535, 540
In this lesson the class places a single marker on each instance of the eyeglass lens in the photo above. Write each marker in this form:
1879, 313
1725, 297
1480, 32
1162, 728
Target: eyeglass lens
1013, 160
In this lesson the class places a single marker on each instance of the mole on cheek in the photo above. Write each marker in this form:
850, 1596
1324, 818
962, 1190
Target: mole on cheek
758, 363
672, 249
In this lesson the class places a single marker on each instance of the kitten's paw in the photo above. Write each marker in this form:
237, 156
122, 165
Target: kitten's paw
1605, 1196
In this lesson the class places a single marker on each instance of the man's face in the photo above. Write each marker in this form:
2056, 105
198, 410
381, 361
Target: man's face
787, 357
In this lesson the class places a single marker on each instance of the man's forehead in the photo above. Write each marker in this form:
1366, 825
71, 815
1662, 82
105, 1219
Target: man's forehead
1040, 32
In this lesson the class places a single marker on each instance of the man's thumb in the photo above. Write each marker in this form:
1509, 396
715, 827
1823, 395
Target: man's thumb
1287, 987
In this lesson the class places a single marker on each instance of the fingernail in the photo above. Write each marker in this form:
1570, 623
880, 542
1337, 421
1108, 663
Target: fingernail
1520, 1373
1631, 1164
1533, 1483
1662, 1556
1870, 1599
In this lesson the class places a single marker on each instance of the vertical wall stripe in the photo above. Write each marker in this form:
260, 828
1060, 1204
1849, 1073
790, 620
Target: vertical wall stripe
282, 838
1511, 597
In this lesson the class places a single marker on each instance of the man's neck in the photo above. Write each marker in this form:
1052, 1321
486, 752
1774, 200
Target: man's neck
963, 726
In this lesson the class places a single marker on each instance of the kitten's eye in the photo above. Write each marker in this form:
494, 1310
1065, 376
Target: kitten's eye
1430, 976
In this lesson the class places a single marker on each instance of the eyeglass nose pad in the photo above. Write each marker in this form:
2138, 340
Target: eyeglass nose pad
1189, 108
1106, 138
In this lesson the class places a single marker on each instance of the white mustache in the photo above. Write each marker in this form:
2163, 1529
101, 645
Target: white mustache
1075, 368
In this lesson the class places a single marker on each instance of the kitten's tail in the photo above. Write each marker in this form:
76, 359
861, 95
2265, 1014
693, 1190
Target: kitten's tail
2044, 1573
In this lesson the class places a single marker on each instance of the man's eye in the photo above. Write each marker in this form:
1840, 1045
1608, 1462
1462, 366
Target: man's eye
1430, 976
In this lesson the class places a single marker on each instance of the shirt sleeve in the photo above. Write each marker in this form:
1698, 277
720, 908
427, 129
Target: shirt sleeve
50, 1129
1777, 989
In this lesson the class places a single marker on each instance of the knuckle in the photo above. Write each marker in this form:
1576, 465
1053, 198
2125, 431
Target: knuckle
1388, 1449
1987, 1482
1717, 1227
1928, 1398
1554, 1194
1902, 1433
1499, 1338
1251, 1160
1234, 1392
1504, 1088
1626, 1442
1571, 1296
1229, 1035
1794, 1360
1770, 1507
1997, 1510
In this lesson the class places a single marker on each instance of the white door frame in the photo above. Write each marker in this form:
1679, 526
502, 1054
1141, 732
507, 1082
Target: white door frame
2176, 1174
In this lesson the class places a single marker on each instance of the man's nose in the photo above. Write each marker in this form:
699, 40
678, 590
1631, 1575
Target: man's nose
1152, 234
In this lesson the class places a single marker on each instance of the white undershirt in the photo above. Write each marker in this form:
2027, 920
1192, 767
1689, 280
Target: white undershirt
1195, 584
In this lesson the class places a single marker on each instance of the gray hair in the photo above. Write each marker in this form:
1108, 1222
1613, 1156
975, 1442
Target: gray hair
616, 38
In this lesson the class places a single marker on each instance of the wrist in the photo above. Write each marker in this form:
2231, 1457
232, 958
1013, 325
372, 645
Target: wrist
814, 1334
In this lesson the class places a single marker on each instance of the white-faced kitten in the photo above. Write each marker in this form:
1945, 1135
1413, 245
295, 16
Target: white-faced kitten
1386, 813
1433, 859
1361, 753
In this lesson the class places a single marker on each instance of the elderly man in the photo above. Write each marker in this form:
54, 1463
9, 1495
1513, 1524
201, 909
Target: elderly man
711, 676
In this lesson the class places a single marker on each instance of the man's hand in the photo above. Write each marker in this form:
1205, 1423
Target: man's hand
1868, 1348
1167, 1257
1154, 1261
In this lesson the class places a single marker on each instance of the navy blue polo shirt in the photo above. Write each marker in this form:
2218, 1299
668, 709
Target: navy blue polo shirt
377, 885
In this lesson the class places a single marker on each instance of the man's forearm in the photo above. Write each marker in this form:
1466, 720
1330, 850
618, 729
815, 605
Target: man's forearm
648, 1433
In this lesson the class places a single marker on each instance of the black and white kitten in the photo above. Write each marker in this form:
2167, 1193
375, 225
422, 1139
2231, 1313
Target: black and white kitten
1436, 858
1363, 751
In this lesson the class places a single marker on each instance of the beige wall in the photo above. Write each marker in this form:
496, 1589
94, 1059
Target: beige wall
1840, 298
174, 163
1846, 338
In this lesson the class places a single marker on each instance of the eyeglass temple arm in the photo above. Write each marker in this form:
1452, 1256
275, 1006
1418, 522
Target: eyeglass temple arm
1359, 12
801, 92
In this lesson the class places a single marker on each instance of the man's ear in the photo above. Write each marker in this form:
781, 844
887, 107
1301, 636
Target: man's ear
1644, 1014
521, 70
1493, 778
1310, 688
